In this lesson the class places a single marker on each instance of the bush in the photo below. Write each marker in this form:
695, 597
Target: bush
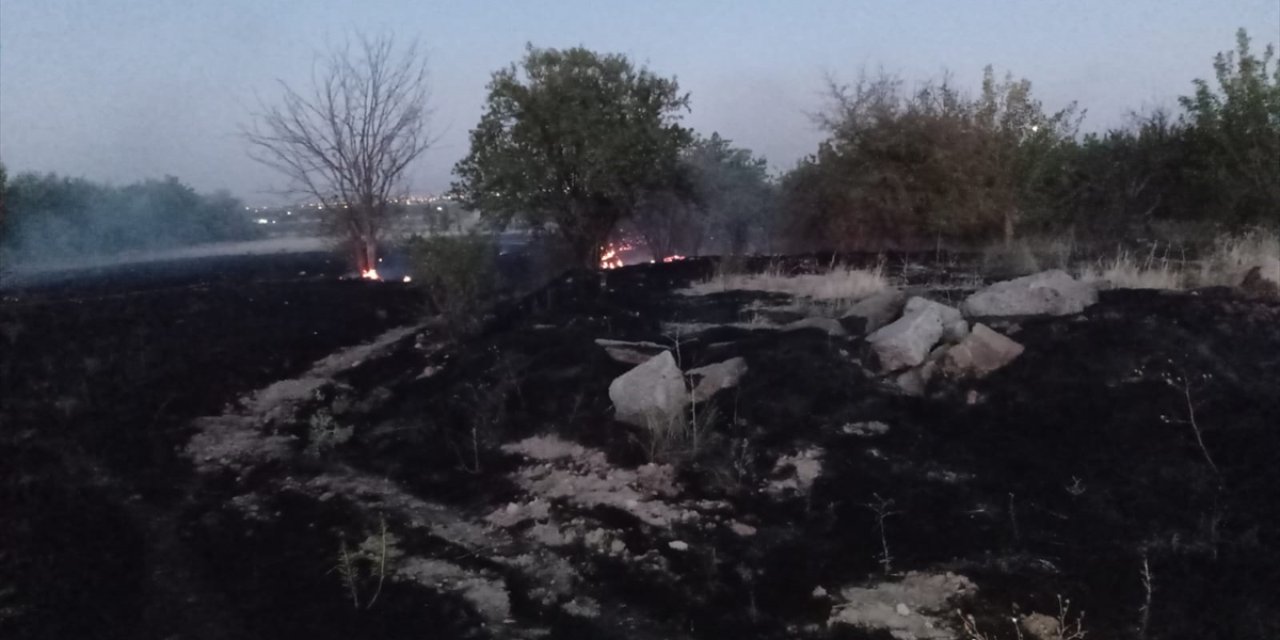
458, 274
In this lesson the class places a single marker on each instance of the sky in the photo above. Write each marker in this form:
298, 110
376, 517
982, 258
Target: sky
123, 90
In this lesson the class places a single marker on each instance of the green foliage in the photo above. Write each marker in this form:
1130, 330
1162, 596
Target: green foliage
1233, 135
53, 217
901, 166
458, 273
364, 569
572, 139
907, 168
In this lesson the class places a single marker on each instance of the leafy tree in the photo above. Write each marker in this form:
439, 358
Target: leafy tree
901, 167
348, 141
1234, 136
572, 139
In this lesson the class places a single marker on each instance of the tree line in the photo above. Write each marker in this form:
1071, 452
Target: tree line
586, 144
52, 217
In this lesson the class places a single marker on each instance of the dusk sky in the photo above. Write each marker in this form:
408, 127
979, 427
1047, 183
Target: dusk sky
121, 90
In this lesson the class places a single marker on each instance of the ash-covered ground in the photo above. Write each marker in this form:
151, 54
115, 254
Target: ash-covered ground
310, 458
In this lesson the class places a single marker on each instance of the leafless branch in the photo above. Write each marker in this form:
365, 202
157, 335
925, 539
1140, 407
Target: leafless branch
348, 142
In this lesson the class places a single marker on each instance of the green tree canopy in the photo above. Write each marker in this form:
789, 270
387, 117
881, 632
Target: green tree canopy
572, 139
903, 166
1234, 132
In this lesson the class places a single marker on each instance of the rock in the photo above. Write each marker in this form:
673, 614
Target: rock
819, 592
926, 598
1040, 626
906, 341
678, 545
915, 381
1053, 293
742, 529
865, 429
795, 474
876, 310
954, 326
981, 353
630, 352
652, 395
717, 377
830, 326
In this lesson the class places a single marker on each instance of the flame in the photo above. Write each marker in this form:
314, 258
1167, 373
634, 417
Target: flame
370, 274
609, 257
408, 279
673, 258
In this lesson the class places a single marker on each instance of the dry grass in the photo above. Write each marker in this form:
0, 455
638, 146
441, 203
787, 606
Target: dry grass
1232, 256
1225, 264
1127, 272
839, 286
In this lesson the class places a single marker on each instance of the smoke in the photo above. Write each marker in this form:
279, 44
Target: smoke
52, 219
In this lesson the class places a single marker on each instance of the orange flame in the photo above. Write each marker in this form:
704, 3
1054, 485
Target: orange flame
370, 274
609, 258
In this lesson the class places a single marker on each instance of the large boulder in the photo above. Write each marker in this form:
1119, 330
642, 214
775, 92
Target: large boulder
906, 341
717, 377
876, 310
1053, 293
954, 326
651, 395
981, 353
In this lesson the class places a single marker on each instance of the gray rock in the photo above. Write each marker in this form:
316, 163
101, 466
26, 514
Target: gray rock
651, 395
1053, 293
906, 341
954, 326
981, 353
830, 326
878, 309
866, 429
630, 352
915, 381
717, 377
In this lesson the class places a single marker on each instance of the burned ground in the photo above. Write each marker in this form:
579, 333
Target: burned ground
1060, 475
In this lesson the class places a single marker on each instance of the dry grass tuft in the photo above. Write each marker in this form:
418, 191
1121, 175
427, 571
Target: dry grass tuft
839, 286
1233, 256
1126, 272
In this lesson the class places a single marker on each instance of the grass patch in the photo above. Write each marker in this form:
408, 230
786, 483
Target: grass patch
839, 286
1224, 263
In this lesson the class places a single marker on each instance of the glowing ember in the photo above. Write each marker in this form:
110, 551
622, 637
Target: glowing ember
370, 274
673, 258
609, 258
408, 279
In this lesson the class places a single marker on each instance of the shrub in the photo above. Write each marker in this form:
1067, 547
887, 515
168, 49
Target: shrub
458, 274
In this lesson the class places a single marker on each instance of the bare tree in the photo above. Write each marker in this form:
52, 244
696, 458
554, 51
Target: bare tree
348, 141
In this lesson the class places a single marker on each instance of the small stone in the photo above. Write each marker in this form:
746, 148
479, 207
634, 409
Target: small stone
819, 592
744, 530
902, 609
617, 547
678, 545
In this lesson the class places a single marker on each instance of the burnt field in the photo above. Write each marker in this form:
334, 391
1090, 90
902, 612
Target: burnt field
268, 454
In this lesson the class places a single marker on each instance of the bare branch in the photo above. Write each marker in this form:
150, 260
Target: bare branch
348, 143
